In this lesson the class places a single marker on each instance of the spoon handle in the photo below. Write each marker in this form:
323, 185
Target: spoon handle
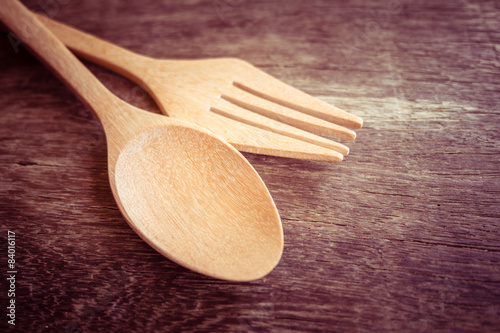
59, 59
119, 60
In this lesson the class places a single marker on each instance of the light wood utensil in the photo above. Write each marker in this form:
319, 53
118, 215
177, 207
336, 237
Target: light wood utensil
190, 195
250, 109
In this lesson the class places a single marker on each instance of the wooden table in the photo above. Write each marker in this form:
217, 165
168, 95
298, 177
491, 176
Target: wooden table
403, 236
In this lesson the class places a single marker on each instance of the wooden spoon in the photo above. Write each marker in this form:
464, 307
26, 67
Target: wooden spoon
187, 193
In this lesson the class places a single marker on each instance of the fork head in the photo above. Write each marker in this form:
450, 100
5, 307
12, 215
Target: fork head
250, 109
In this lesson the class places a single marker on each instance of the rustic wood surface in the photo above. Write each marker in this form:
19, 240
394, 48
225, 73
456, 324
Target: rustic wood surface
403, 236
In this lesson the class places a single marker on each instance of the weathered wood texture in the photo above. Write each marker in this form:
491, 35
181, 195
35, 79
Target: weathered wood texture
402, 236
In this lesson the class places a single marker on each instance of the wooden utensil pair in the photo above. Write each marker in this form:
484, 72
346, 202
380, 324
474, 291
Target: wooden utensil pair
182, 188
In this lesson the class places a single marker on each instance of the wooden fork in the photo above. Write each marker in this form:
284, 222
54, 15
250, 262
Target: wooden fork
252, 110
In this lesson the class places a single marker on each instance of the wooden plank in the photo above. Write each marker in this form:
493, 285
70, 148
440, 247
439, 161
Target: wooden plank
401, 236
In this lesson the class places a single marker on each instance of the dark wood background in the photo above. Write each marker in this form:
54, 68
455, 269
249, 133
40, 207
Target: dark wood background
403, 236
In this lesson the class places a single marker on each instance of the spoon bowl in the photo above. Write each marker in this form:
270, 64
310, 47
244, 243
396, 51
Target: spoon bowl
208, 211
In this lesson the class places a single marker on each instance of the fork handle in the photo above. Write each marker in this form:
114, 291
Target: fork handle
117, 59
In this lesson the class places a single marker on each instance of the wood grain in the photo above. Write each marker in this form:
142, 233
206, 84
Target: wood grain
402, 236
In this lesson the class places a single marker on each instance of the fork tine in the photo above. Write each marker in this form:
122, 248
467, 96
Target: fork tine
230, 110
249, 101
254, 140
281, 93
